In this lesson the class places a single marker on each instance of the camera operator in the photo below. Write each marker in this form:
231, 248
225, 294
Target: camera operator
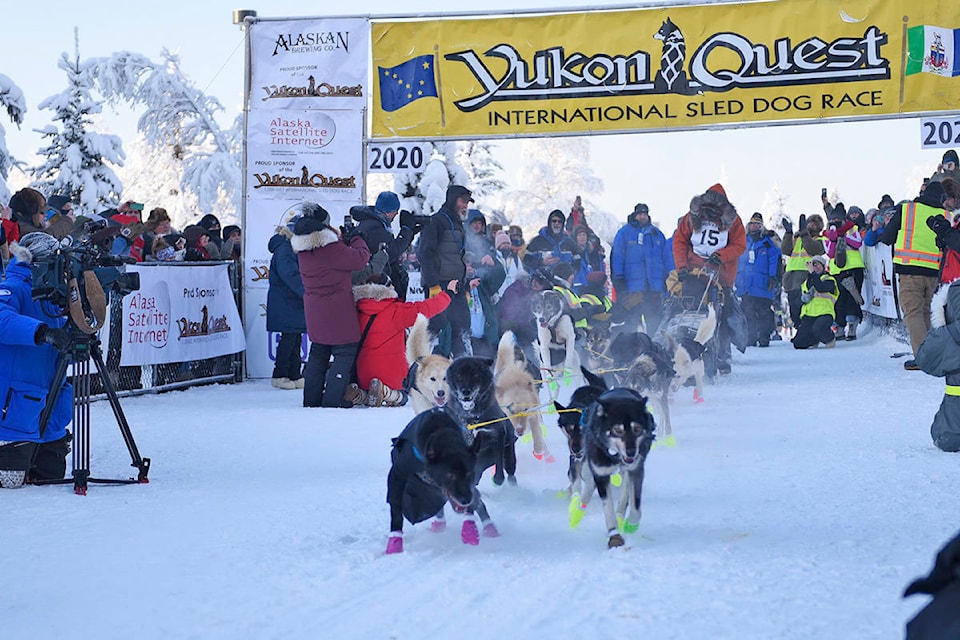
374, 223
31, 333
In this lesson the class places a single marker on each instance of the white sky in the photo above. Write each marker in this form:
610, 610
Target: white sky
860, 161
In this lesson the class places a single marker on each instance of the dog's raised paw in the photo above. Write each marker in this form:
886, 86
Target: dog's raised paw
616, 540
394, 545
469, 533
438, 526
490, 530
625, 526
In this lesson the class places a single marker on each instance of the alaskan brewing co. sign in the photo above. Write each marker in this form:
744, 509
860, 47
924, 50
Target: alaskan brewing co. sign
664, 68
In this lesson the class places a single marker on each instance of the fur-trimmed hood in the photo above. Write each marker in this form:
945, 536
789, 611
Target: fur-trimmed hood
314, 240
945, 306
712, 199
373, 292
22, 254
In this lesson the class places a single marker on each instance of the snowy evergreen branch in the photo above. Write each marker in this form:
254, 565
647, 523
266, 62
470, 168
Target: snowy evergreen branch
11, 99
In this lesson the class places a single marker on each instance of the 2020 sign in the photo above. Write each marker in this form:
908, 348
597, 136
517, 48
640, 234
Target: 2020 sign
939, 132
397, 157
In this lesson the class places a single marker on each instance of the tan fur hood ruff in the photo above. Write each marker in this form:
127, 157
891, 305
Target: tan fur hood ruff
373, 291
714, 200
22, 254
313, 240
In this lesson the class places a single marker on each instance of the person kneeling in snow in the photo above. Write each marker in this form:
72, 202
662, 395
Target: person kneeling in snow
939, 355
819, 294
382, 361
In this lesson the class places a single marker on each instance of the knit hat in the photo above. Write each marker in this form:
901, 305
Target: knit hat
502, 238
387, 202
312, 210
229, 230
35, 246
57, 202
885, 201
821, 260
951, 156
641, 208
756, 217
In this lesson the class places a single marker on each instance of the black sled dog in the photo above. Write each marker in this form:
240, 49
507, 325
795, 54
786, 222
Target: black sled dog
431, 465
569, 419
618, 434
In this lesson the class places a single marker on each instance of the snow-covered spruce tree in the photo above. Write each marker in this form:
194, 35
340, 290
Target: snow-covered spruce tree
76, 157
179, 116
775, 208
424, 193
152, 175
554, 171
11, 99
484, 171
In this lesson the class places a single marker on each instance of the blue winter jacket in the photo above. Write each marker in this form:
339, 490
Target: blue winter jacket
641, 256
285, 295
26, 369
753, 277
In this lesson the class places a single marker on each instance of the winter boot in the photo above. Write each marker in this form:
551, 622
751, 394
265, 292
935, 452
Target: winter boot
832, 343
283, 383
851, 285
299, 382
838, 332
388, 397
355, 395
375, 393
852, 330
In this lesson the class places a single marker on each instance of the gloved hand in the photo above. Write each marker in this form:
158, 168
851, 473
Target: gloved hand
409, 220
59, 338
713, 263
378, 261
939, 225
802, 222
806, 297
349, 233
787, 225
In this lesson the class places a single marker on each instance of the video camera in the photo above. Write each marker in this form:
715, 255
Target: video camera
53, 274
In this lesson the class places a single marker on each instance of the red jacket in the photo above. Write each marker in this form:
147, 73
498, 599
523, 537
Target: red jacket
326, 266
383, 352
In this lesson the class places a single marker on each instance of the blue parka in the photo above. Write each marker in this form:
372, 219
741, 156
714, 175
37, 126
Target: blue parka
753, 277
285, 295
26, 369
641, 256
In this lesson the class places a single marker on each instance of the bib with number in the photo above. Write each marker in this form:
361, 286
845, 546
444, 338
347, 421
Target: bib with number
708, 239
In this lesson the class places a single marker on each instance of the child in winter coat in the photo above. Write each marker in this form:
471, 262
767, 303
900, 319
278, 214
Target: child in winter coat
939, 355
382, 362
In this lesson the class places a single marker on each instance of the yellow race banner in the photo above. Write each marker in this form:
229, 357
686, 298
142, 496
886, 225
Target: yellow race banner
664, 68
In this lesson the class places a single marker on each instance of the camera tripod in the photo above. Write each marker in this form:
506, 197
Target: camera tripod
82, 348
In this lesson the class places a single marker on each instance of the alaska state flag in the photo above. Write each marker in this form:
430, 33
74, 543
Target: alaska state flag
406, 82
933, 50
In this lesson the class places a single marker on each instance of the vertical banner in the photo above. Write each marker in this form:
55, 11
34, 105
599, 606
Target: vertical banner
303, 142
878, 278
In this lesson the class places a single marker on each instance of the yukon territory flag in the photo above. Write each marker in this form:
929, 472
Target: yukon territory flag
933, 50
406, 82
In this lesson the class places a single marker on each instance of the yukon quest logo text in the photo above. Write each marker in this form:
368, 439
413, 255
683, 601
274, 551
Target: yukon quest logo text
312, 42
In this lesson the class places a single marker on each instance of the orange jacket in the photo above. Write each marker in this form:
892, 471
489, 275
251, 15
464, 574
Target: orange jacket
684, 257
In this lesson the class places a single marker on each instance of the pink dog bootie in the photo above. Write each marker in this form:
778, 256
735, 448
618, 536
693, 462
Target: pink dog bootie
395, 544
490, 530
438, 525
469, 533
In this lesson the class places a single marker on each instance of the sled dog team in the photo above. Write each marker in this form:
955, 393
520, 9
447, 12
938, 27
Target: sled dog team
470, 411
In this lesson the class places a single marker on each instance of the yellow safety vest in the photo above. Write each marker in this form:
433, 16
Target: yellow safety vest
798, 257
822, 304
917, 243
591, 298
574, 301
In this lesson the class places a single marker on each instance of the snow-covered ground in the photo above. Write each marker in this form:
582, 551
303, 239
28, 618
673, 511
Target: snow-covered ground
802, 497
